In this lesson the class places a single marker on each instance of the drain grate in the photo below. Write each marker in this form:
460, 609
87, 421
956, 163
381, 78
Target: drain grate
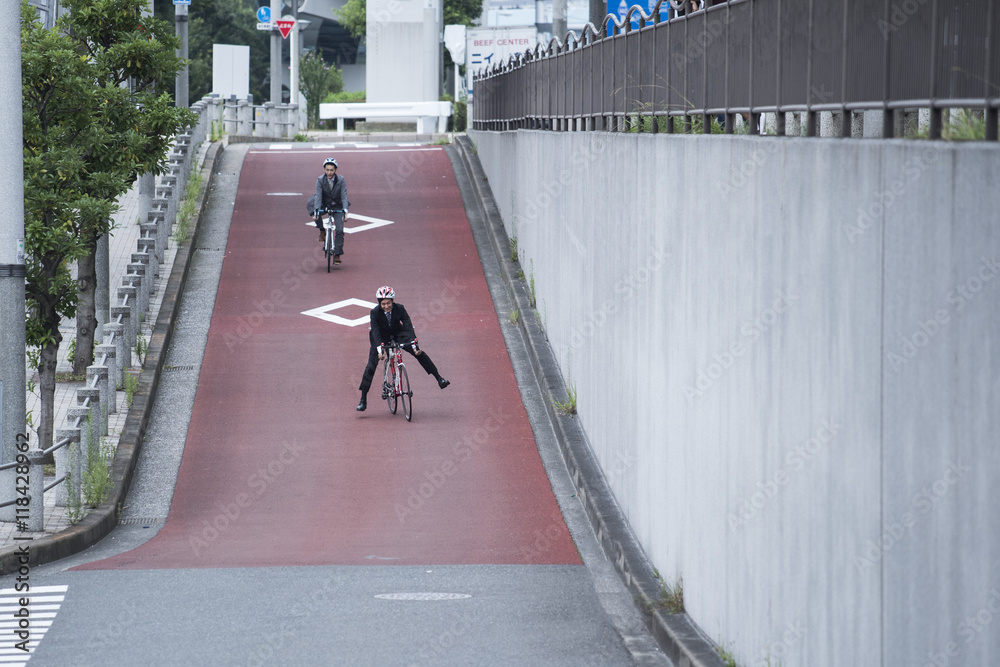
141, 521
421, 597
208, 249
177, 368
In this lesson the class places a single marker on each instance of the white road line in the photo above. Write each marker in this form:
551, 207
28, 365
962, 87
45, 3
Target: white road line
279, 147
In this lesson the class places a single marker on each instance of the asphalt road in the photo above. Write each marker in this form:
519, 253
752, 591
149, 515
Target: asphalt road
271, 523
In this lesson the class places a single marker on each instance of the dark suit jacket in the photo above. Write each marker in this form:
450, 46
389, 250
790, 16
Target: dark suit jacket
332, 199
400, 329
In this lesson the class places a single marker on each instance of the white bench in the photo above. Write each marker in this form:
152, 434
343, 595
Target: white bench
425, 113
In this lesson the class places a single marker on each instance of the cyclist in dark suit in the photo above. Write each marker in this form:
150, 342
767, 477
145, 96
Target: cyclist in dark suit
331, 195
389, 322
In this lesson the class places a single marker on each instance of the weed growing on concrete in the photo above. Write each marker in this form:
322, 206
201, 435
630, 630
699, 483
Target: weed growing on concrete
727, 658
300, 137
531, 286
97, 473
187, 209
514, 316
567, 407
141, 347
520, 274
131, 386
513, 248
671, 597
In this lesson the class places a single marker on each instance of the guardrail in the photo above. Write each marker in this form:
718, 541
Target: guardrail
87, 423
756, 57
427, 114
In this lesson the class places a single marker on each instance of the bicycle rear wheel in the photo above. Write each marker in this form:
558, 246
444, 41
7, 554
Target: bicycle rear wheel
405, 394
389, 388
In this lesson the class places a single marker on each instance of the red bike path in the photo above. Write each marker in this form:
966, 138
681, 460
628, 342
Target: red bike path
278, 468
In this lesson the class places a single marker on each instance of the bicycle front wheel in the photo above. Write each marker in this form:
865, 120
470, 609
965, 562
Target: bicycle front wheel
405, 394
328, 247
389, 388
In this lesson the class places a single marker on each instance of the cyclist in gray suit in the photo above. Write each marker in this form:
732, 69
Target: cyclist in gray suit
331, 195
390, 322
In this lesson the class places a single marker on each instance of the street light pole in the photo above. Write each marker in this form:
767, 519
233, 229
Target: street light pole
13, 405
181, 30
276, 73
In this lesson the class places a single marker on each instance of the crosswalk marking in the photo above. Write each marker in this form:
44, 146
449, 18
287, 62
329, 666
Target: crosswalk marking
43, 604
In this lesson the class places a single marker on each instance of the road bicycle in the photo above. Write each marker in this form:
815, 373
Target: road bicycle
329, 222
395, 383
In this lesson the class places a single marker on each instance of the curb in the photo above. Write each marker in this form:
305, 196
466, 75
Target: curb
100, 521
679, 637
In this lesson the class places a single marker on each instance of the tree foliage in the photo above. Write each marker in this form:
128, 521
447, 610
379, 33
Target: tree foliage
317, 80
92, 123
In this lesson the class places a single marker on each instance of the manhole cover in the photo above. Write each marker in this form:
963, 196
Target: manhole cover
422, 596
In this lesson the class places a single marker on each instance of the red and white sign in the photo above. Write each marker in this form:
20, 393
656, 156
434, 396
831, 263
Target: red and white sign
285, 26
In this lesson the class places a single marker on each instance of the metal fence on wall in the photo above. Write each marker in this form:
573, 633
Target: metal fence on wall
752, 57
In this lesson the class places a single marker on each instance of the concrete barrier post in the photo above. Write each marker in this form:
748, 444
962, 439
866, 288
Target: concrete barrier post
115, 378
81, 416
97, 376
68, 463
245, 115
123, 353
36, 484
230, 119
128, 327
142, 296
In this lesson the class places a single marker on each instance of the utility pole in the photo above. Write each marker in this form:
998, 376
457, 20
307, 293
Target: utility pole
294, 46
276, 73
181, 30
559, 19
13, 405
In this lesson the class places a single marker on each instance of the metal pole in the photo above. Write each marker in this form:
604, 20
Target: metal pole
181, 98
12, 307
295, 47
276, 73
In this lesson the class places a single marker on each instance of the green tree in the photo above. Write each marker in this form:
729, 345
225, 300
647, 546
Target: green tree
131, 56
87, 135
316, 80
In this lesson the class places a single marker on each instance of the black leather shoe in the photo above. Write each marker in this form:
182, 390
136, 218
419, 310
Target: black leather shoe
363, 405
443, 383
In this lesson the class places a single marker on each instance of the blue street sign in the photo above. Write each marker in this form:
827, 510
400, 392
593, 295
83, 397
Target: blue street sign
620, 7
182, 2
264, 15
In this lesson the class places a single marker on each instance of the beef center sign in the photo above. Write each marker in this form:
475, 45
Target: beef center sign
485, 47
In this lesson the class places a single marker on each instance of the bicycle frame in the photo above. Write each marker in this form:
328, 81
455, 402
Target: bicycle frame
395, 383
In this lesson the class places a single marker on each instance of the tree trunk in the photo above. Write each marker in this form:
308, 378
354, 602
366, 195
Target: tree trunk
86, 313
47, 361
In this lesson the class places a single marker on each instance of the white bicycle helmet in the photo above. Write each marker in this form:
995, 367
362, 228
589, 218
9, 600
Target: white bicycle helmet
385, 292
330, 160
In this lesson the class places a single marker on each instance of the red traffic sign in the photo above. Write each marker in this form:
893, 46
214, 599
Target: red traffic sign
285, 26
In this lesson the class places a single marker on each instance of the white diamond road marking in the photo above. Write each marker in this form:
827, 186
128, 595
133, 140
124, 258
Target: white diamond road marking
372, 223
422, 596
43, 603
324, 312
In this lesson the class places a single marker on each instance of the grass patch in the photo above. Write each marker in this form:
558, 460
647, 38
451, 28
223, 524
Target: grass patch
513, 248
300, 137
131, 386
188, 209
567, 407
514, 316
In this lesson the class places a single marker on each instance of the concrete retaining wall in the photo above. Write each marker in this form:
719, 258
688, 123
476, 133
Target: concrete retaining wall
787, 358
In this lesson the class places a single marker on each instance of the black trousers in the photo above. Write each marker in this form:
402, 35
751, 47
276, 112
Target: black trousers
366, 379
